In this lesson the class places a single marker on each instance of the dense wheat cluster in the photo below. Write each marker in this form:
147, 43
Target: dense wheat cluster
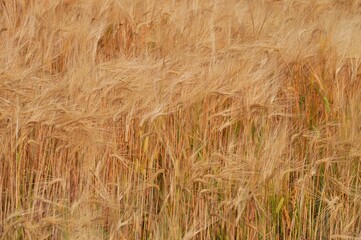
194, 119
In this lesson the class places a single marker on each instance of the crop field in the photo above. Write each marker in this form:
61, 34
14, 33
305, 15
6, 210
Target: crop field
180, 119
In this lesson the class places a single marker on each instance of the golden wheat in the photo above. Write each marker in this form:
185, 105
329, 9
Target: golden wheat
194, 119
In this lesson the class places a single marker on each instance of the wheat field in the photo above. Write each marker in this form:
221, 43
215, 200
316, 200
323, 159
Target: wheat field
180, 119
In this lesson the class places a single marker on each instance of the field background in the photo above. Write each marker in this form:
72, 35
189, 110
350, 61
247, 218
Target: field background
169, 119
